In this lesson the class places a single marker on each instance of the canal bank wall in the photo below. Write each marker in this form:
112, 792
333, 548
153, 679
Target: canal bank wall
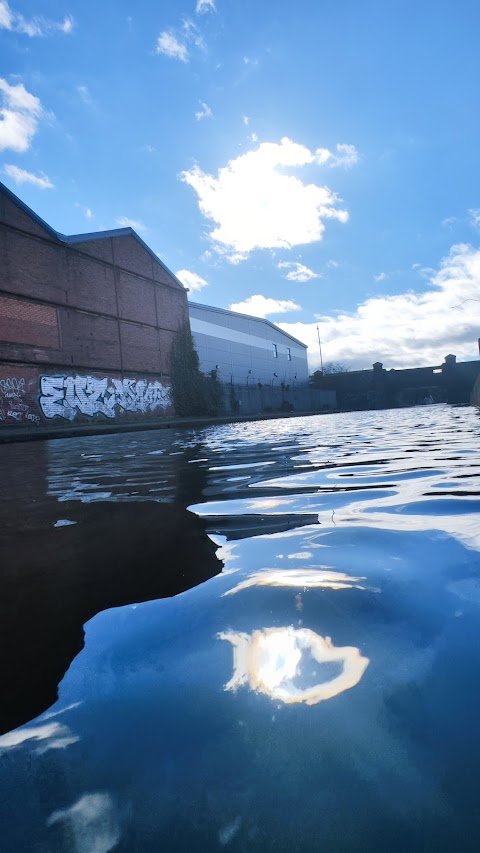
45, 432
475, 398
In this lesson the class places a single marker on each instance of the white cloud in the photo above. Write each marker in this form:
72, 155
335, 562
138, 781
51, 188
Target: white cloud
449, 221
87, 212
475, 217
297, 272
67, 25
19, 115
380, 277
136, 224
204, 112
346, 156
261, 306
192, 33
256, 205
6, 16
21, 176
205, 6
246, 120
191, 280
408, 329
85, 95
332, 265
17, 98
36, 26
169, 45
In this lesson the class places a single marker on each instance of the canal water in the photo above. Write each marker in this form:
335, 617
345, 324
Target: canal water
253, 637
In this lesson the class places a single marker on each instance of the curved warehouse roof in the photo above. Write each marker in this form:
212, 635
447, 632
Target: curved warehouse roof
246, 317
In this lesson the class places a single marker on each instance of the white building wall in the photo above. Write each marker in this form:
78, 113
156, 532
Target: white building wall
246, 349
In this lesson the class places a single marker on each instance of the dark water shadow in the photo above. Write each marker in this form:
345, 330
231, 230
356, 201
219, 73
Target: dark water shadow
60, 564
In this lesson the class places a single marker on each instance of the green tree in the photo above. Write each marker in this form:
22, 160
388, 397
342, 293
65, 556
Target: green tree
193, 392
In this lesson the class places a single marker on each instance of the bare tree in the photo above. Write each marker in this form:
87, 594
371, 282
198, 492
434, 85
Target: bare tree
335, 367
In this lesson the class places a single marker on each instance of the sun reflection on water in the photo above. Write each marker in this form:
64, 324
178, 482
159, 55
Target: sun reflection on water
270, 660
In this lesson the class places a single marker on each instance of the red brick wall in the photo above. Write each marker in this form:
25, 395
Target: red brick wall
136, 298
102, 305
90, 285
28, 322
140, 347
90, 340
34, 267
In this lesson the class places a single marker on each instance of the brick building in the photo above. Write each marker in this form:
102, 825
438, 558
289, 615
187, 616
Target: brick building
86, 323
450, 382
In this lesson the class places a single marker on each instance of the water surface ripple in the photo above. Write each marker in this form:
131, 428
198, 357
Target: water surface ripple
267, 637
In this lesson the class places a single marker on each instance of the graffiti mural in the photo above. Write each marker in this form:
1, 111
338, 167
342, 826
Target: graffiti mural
18, 404
67, 396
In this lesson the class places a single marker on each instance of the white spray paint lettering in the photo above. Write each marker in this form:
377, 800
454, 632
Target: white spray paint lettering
67, 396
12, 387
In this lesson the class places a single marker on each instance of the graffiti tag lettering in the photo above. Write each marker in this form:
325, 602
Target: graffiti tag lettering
67, 396
17, 403
12, 387
35, 419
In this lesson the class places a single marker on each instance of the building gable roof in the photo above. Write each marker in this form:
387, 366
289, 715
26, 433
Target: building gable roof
73, 239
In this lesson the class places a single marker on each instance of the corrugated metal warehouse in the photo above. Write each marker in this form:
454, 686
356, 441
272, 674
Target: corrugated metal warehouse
246, 350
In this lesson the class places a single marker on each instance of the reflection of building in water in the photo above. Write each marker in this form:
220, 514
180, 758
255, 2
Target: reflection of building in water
270, 660
311, 578
130, 539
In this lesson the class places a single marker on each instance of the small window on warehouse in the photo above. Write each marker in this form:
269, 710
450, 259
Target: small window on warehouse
289, 354
275, 351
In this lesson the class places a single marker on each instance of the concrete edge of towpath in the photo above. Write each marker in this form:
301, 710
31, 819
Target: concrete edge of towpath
13, 434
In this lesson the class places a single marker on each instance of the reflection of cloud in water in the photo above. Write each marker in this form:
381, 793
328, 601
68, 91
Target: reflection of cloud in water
269, 503
270, 659
91, 824
300, 555
225, 549
51, 735
312, 578
49, 714
468, 589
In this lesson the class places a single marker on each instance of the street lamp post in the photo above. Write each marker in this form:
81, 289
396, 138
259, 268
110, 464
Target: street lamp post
320, 349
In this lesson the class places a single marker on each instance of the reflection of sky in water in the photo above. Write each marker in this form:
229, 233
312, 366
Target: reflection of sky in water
174, 760
303, 578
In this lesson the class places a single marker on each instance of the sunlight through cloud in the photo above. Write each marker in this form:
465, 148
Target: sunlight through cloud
256, 204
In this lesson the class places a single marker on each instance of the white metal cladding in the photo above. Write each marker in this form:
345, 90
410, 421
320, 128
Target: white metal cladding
243, 348
214, 331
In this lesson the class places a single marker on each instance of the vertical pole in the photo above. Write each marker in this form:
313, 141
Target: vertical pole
320, 349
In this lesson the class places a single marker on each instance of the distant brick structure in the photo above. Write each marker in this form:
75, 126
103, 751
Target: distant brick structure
450, 382
86, 323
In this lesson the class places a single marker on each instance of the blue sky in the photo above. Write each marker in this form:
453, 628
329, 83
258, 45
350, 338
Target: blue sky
311, 162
